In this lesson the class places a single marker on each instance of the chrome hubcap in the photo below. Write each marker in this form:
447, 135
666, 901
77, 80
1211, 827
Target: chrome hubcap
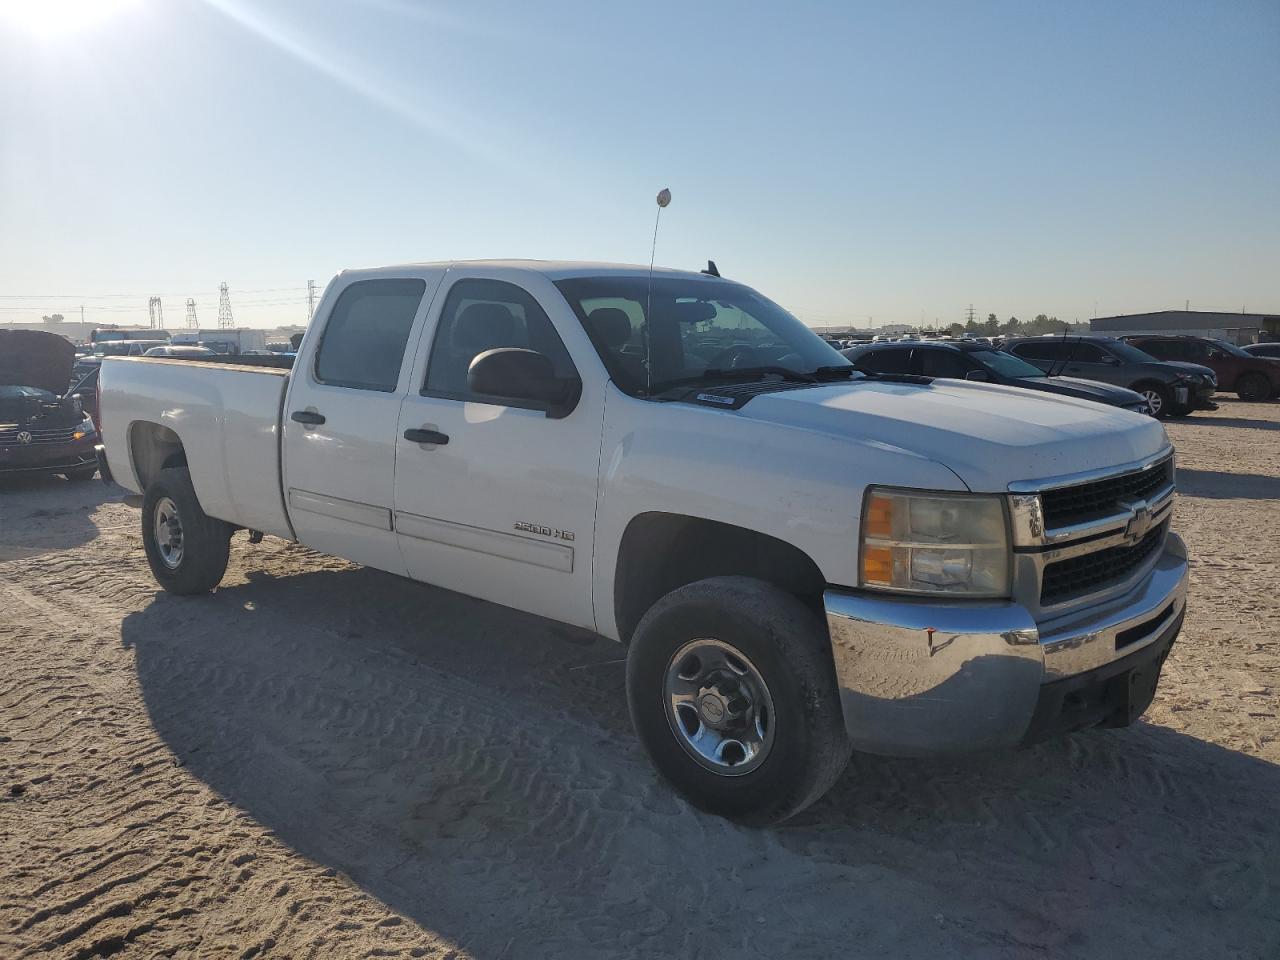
168, 531
719, 707
1154, 401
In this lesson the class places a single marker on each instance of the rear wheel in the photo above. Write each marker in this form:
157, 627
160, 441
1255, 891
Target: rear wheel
1158, 398
1253, 387
186, 548
733, 693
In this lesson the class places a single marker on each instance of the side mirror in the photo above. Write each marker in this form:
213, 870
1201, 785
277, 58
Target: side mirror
978, 375
1109, 360
512, 373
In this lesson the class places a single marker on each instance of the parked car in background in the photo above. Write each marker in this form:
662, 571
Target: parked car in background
103, 335
43, 428
179, 350
226, 341
800, 558
85, 390
1251, 377
1170, 389
979, 362
112, 348
1263, 349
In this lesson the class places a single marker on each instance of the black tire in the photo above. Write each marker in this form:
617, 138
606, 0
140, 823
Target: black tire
1159, 398
1253, 387
84, 473
205, 542
788, 645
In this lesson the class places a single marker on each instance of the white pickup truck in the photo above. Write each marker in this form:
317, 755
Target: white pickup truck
800, 558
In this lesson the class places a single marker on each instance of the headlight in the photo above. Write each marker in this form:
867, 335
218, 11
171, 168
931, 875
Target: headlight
86, 429
935, 543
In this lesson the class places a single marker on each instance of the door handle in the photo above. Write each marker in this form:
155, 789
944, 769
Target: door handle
309, 417
427, 436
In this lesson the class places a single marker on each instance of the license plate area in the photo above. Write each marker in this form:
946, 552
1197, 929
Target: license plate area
1181, 394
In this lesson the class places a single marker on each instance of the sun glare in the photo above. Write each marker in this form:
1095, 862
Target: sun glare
53, 17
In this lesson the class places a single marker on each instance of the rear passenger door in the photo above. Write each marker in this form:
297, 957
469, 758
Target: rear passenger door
943, 362
340, 418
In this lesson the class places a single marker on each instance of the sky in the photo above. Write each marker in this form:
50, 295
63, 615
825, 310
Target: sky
861, 163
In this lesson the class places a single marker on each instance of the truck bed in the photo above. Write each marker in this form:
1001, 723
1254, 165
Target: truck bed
227, 416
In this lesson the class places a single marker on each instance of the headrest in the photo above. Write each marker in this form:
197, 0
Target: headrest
612, 325
484, 326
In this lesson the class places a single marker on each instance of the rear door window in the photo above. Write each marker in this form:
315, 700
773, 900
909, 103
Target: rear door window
363, 343
885, 361
941, 362
1040, 350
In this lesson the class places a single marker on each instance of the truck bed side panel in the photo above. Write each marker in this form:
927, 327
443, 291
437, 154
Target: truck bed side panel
228, 420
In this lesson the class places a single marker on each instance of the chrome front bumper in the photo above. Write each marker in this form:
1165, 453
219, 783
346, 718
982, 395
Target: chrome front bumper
922, 676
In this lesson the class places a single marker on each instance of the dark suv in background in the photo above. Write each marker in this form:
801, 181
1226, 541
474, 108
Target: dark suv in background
1251, 377
1171, 389
984, 363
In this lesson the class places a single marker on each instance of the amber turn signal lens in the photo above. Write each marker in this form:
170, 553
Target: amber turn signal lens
878, 523
877, 564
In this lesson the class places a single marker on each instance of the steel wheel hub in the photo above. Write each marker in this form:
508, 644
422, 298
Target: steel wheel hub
168, 533
718, 707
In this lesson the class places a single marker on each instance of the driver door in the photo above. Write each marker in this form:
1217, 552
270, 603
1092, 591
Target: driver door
499, 502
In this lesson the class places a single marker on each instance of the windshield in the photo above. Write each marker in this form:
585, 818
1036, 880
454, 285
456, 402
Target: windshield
1005, 364
1127, 351
1232, 349
11, 392
700, 329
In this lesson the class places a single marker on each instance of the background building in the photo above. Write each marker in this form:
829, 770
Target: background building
1239, 328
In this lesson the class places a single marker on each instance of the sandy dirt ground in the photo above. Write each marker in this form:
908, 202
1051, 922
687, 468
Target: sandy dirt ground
324, 761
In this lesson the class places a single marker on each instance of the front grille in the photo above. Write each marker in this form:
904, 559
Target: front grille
9, 436
1086, 501
1093, 571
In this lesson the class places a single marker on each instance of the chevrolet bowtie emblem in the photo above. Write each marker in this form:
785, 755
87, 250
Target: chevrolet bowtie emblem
1139, 523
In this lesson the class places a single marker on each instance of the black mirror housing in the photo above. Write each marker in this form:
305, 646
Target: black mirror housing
525, 376
979, 376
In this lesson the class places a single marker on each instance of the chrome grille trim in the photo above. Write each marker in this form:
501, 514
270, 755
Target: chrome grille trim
1037, 545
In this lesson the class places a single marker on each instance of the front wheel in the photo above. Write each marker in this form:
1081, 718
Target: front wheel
1158, 399
186, 548
734, 696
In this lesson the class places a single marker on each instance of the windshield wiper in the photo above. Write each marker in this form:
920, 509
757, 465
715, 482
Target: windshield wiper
835, 371
896, 377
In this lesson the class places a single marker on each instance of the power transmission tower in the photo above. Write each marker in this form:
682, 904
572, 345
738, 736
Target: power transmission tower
155, 309
969, 314
311, 300
191, 314
225, 320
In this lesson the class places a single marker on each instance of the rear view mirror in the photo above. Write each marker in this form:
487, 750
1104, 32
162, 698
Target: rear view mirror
512, 373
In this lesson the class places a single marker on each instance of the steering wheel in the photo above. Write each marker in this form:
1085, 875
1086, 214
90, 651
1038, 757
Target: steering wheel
731, 358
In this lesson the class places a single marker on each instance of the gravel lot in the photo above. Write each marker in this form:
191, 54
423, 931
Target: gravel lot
325, 761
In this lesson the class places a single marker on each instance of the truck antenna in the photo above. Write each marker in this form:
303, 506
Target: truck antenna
664, 198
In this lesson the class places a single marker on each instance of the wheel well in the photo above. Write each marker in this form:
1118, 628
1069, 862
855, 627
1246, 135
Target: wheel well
663, 551
1148, 383
153, 447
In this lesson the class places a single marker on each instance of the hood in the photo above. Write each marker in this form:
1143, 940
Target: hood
988, 435
1084, 389
1192, 368
33, 358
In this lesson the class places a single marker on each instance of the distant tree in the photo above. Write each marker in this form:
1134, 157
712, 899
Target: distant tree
956, 329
